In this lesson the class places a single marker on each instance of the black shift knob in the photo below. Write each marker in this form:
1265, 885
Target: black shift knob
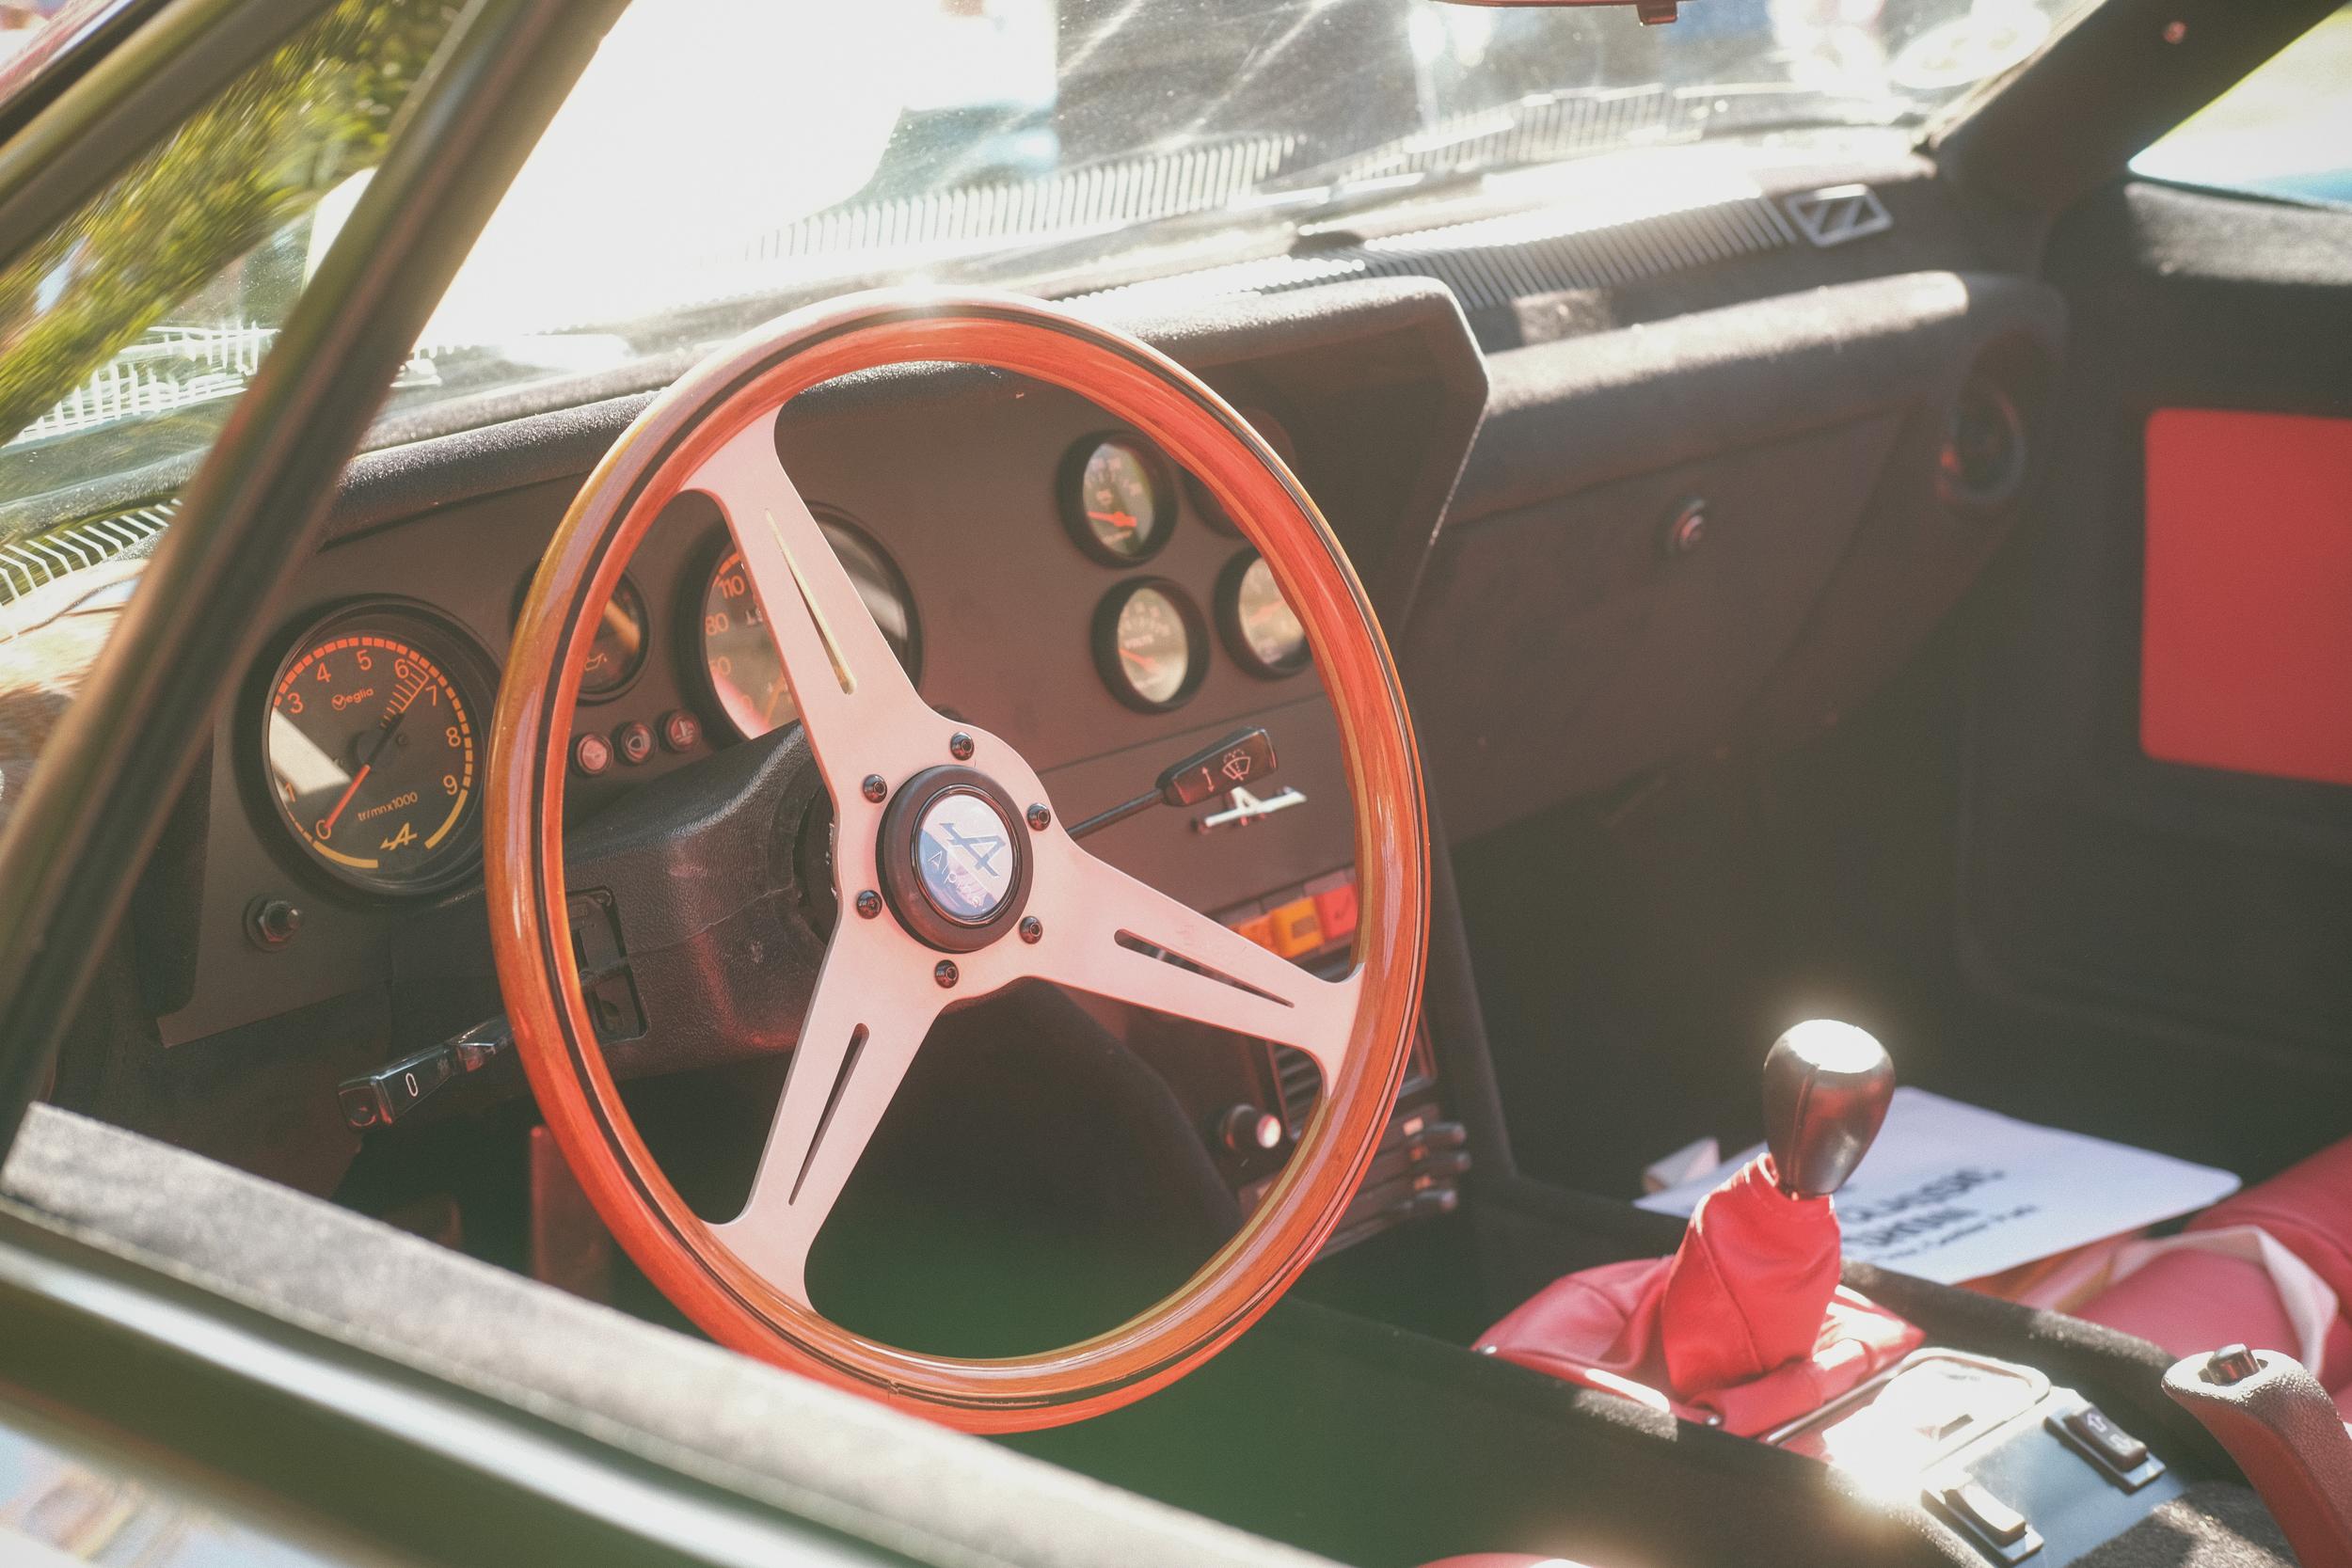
1826, 1089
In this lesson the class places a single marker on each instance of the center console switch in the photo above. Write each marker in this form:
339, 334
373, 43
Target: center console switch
2019, 1467
1423, 1155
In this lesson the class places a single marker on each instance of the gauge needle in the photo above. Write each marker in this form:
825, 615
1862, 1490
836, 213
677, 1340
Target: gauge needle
1116, 519
326, 828
1138, 660
365, 768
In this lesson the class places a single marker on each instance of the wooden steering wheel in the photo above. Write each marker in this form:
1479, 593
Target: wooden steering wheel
899, 773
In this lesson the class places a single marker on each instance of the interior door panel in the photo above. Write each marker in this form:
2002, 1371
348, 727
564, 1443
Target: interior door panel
2246, 627
2157, 825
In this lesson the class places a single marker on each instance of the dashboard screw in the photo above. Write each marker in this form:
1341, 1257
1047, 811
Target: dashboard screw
869, 903
1040, 817
959, 746
945, 972
1032, 928
874, 789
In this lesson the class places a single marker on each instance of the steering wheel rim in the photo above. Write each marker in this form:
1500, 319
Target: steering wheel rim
715, 420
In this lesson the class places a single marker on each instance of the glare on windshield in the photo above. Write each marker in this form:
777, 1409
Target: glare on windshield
719, 161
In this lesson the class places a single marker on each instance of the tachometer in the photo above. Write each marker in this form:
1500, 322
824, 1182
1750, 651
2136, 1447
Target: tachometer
1117, 501
740, 658
372, 753
1150, 644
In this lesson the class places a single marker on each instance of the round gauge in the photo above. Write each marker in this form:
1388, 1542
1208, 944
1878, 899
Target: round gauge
1117, 501
372, 753
619, 649
1262, 630
1212, 511
739, 657
1149, 643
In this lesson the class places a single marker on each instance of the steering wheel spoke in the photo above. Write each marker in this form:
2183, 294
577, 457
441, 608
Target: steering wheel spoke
861, 713
1113, 936
873, 1009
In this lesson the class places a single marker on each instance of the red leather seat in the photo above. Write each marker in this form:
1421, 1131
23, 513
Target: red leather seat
2190, 1301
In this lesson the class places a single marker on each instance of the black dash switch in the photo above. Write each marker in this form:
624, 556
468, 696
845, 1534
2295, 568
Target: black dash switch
2093, 1428
1244, 757
1982, 1512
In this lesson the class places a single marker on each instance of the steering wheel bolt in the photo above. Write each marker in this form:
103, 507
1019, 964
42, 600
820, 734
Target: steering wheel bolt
1041, 817
1032, 930
959, 746
946, 973
868, 904
874, 789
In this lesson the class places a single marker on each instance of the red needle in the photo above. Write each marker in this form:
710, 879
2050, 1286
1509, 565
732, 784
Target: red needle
1138, 660
327, 828
1116, 519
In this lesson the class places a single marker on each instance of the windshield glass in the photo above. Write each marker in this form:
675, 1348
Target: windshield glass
721, 162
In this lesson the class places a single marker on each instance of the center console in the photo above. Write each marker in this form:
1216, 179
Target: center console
1359, 1419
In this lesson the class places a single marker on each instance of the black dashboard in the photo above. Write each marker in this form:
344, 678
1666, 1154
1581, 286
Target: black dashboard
1611, 527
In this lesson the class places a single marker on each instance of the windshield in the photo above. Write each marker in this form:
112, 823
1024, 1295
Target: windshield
721, 162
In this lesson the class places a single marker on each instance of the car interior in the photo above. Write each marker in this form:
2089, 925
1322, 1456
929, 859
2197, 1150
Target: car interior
1872, 575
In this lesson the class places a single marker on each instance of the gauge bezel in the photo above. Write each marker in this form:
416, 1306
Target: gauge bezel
1229, 627
704, 569
1104, 642
1070, 498
468, 666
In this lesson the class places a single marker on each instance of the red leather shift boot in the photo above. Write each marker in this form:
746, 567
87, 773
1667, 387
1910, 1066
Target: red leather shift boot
1748, 1288
1745, 1325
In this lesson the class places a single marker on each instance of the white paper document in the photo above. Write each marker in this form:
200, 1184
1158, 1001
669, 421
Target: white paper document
1950, 1192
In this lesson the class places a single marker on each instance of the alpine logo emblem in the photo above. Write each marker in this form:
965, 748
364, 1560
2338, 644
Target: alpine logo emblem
1837, 214
963, 854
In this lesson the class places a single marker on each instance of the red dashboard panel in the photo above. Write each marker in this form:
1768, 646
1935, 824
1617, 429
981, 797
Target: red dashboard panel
2246, 648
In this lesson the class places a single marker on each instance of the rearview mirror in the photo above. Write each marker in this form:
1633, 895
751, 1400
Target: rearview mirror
1650, 13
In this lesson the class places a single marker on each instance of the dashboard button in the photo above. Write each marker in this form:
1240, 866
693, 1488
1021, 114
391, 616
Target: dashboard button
1260, 931
1335, 908
1297, 929
680, 730
634, 742
592, 755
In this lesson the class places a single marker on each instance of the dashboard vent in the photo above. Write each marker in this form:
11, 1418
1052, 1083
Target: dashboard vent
1301, 1082
1981, 465
43, 558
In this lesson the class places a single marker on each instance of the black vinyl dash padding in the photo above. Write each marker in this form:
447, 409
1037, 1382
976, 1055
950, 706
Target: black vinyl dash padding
648, 1392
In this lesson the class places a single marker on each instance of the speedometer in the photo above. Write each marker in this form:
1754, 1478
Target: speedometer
371, 755
739, 657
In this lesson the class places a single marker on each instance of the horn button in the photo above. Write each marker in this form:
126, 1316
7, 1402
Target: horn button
954, 862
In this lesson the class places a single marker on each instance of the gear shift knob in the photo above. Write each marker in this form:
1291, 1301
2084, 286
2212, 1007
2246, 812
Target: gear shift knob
1826, 1089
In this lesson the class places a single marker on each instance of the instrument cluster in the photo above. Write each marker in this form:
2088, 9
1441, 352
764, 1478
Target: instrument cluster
1151, 643
373, 724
